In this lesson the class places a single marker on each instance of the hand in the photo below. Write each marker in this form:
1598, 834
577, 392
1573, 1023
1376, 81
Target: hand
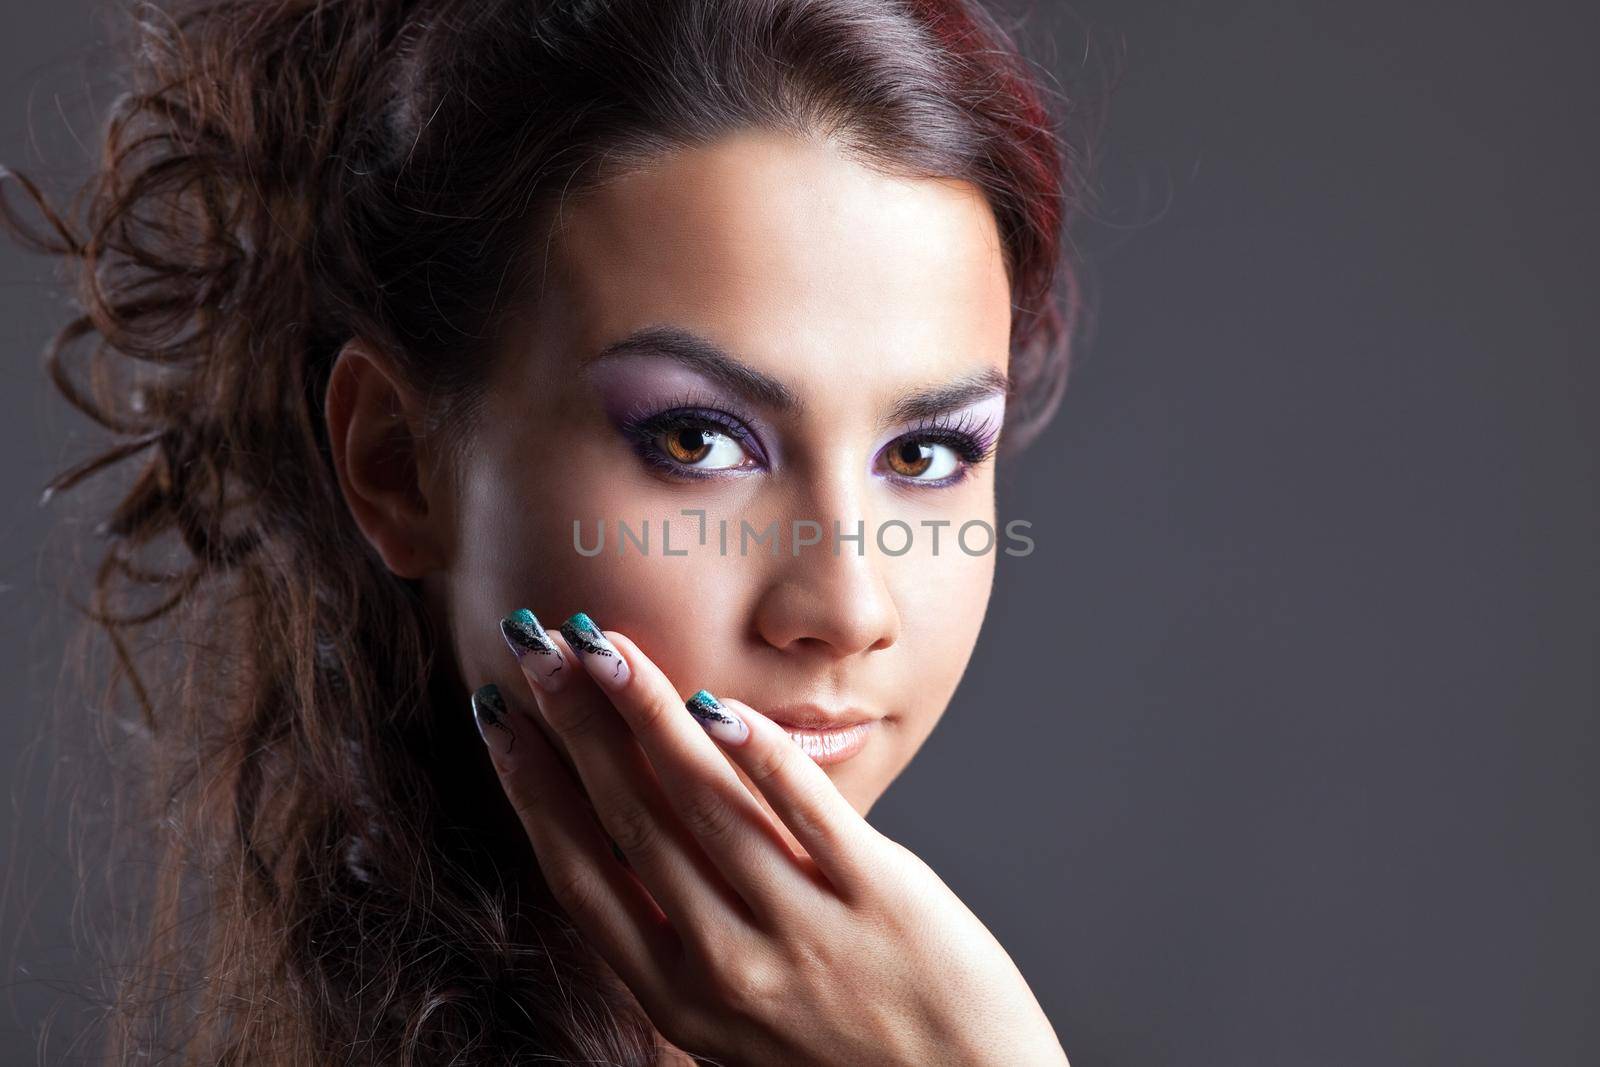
735, 947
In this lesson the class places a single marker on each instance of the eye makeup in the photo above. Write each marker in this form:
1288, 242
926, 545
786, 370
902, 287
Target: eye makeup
968, 437
669, 436
687, 422
682, 429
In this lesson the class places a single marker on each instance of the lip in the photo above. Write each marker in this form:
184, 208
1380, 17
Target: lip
827, 737
833, 746
815, 717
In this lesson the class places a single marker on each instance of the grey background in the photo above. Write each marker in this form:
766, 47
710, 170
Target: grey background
1279, 748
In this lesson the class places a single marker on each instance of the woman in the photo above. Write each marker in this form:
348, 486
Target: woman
402, 307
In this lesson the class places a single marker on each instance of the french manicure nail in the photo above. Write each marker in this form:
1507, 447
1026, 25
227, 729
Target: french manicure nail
489, 711
536, 653
717, 720
609, 668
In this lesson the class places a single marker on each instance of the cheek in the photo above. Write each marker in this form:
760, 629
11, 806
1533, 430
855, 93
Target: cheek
514, 545
516, 549
943, 601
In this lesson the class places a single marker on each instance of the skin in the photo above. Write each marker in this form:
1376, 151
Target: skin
849, 287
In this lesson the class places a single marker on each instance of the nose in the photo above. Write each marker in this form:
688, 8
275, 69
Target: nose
834, 605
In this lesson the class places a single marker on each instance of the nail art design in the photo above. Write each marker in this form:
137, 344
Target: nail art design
489, 711
710, 713
582, 634
526, 637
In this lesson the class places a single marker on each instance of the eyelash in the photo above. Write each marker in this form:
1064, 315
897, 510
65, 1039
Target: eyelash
687, 411
972, 439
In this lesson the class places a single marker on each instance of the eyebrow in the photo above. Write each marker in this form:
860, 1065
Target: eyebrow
704, 355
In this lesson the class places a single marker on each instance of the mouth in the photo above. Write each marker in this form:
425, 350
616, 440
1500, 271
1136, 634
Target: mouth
826, 736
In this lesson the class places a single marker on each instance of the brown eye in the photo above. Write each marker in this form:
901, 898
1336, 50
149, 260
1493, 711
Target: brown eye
925, 458
910, 458
695, 444
688, 444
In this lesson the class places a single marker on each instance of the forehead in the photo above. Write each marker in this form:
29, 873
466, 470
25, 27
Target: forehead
799, 261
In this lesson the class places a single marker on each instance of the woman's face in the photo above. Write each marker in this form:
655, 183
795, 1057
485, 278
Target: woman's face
805, 307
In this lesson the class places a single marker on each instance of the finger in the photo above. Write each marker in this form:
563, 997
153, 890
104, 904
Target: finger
628, 799
605, 901
701, 784
541, 661
839, 841
544, 667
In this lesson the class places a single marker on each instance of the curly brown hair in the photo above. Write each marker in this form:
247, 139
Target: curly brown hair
278, 177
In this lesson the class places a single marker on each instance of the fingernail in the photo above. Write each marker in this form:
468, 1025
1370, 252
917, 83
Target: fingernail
717, 720
489, 711
607, 664
538, 656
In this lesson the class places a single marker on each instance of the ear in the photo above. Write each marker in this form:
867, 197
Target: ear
383, 472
